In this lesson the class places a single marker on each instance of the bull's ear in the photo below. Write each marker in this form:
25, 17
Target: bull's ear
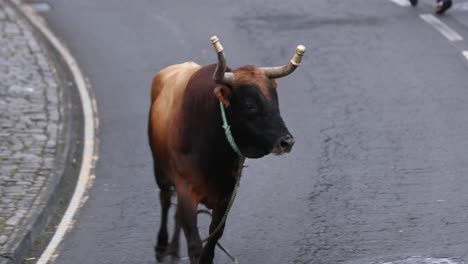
274, 83
223, 94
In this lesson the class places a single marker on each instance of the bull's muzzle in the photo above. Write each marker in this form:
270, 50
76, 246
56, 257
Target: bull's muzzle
283, 145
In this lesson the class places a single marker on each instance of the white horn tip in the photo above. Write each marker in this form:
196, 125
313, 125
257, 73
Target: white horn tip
214, 39
300, 50
216, 44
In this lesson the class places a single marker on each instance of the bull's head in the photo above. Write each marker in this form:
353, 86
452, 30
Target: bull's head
251, 101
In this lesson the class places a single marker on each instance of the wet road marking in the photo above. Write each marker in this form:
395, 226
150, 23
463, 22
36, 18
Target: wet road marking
423, 260
440, 26
90, 123
401, 2
465, 53
41, 7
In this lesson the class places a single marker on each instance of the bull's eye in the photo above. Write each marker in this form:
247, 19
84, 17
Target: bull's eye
251, 108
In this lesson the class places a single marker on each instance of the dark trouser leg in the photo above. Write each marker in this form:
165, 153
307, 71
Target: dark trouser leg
207, 255
442, 6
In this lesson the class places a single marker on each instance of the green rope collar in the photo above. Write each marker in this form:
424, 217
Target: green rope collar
227, 132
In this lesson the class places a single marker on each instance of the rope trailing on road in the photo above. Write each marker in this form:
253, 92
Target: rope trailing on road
233, 259
223, 220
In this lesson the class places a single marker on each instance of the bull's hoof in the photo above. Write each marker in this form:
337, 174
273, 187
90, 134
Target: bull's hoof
165, 256
160, 253
170, 259
205, 261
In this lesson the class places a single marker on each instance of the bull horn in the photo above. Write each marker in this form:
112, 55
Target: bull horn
281, 71
220, 75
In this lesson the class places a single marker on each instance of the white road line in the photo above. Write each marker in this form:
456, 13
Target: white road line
465, 53
401, 2
440, 26
89, 145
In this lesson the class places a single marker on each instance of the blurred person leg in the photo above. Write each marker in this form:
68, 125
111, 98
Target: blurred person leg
442, 6
414, 2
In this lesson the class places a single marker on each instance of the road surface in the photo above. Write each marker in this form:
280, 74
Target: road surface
379, 110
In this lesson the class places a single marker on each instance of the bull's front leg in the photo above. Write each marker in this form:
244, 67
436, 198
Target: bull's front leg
207, 255
187, 213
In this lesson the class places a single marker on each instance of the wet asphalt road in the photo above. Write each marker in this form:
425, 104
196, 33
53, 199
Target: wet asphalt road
379, 110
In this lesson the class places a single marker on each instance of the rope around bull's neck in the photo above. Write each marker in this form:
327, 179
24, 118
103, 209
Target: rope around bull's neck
227, 132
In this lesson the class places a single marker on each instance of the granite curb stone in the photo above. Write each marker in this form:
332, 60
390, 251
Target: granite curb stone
37, 137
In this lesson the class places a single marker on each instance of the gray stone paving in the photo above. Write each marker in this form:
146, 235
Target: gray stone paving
29, 122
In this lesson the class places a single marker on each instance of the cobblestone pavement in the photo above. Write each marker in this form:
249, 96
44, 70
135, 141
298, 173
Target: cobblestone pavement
29, 122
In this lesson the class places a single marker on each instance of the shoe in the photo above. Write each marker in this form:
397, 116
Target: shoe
414, 2
443, 6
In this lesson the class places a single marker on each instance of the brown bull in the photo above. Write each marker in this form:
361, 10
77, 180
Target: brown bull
191, 151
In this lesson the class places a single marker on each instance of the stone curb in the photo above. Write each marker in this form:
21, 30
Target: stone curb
51, 201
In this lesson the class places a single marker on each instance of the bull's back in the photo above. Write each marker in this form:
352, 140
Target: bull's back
174, 77
167, 92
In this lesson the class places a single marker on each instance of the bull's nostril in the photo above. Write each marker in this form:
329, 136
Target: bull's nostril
284, 144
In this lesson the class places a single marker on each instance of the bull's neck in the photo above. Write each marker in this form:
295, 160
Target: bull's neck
202, 135
204, 132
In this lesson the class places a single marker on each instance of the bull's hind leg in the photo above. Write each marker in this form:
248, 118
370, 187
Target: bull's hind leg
162, 239
165, 194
